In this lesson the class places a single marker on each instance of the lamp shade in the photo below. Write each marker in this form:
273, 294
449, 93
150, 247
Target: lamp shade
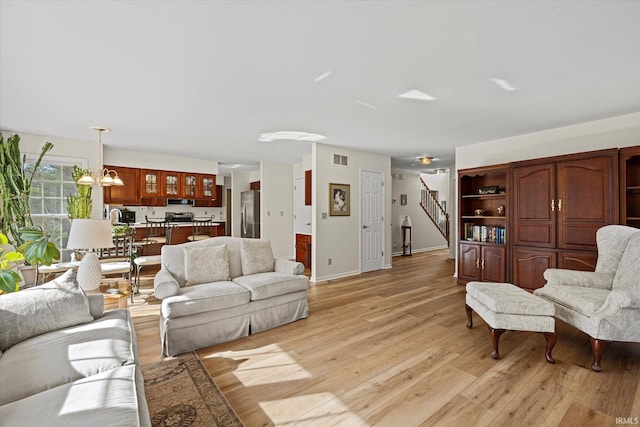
90, 234
406, 222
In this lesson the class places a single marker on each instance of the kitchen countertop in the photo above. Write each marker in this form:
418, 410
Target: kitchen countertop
179, 224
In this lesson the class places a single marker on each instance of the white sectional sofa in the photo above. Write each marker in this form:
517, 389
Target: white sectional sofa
65, 362
223, 288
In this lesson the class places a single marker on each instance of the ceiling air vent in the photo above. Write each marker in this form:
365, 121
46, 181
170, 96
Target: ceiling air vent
340, 160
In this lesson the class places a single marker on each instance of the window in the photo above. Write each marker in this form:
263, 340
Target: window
51, 185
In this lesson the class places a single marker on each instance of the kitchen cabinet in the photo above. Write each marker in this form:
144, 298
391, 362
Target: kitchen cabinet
307, 188
207, 186
190, 188
558, 205
129, 193
172, 184
630, 186
303, 250
152, 184
149, 187
255, 185
483, 224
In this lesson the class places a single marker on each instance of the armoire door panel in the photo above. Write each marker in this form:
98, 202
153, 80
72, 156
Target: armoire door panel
529, 266
579, 235
583, 261
585, 200
535, 235
534, 215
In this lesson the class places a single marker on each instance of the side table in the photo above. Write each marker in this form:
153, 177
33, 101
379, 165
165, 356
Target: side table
115, 300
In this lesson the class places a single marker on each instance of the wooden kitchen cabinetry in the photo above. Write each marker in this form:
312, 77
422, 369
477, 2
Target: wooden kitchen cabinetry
558, 205
129, 193
483, 224
190, 185
173, 184
151, 183
630, 186
303, 250
307, 188
208, 186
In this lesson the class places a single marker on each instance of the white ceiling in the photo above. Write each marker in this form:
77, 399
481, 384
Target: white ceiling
205, 78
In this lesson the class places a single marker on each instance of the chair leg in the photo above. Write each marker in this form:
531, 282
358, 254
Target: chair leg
550, 338
469, 311
598, 347
495, 338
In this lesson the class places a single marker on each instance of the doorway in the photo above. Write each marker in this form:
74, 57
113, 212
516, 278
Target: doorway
372, 235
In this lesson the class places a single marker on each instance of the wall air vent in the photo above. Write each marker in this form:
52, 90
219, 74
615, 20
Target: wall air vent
340, 160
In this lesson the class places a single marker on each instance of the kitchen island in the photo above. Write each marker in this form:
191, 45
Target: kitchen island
181, 233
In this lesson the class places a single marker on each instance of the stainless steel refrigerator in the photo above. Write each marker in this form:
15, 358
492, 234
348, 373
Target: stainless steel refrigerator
250, 214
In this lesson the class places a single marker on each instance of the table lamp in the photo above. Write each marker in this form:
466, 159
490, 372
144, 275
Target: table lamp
90, 234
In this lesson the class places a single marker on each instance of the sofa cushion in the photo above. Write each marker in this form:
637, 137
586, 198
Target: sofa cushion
628, 272
57, 304
206, 264
585, 301
267, 285
204, 297
111, 398
256, 256
65, 355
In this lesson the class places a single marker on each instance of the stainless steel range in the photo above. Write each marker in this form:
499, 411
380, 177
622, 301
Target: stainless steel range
178, 216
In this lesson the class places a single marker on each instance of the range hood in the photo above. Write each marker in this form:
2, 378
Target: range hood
184, 202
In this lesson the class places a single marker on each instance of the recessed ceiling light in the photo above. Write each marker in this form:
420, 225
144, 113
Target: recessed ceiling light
503, 84
365, 104
290, 135
417, 94
322, 76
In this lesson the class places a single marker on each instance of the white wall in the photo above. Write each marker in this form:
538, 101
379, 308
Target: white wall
338, 237
276, 207
615, 132
135, 159
424, 234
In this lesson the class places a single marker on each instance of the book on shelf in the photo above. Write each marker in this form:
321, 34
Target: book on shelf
484, 233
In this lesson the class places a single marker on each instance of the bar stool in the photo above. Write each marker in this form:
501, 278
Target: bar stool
149, 260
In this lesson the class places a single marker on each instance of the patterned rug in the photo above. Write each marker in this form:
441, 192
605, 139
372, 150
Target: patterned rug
180, 393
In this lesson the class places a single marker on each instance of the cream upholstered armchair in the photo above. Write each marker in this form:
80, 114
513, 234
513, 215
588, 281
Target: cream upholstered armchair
604, 304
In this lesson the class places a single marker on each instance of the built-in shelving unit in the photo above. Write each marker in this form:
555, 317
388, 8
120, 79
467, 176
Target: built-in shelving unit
483, 224
630, 186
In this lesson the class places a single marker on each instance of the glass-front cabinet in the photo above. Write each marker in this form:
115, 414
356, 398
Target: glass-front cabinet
152, 183
190, 185
172, 184
208, 186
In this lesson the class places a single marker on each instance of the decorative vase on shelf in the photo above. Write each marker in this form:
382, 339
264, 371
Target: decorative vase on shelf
501, 210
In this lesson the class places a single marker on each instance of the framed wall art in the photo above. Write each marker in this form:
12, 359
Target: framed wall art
339, 199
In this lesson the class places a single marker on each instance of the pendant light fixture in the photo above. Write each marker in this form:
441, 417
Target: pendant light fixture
105, 177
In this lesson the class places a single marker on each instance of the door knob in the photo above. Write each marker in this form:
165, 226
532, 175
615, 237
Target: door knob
365, 226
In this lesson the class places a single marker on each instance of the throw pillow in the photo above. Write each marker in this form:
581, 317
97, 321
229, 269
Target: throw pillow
57, 304
206, 264
256, 256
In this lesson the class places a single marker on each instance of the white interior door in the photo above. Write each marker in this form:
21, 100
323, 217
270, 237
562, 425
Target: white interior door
301, 212
372, 221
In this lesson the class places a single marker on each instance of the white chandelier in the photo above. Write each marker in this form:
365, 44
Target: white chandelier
105, 177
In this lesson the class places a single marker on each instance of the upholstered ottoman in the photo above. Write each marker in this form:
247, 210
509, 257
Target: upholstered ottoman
504, 306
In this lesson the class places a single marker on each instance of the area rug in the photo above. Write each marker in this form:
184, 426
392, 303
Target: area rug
180, 393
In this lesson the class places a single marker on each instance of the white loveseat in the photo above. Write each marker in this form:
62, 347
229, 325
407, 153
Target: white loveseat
223, 288
65, 362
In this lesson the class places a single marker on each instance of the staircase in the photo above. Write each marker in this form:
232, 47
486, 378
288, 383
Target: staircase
434, 210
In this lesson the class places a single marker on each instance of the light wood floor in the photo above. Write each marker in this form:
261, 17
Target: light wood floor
390, 348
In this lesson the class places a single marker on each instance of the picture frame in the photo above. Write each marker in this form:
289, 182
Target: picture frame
489, 189
339, 199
